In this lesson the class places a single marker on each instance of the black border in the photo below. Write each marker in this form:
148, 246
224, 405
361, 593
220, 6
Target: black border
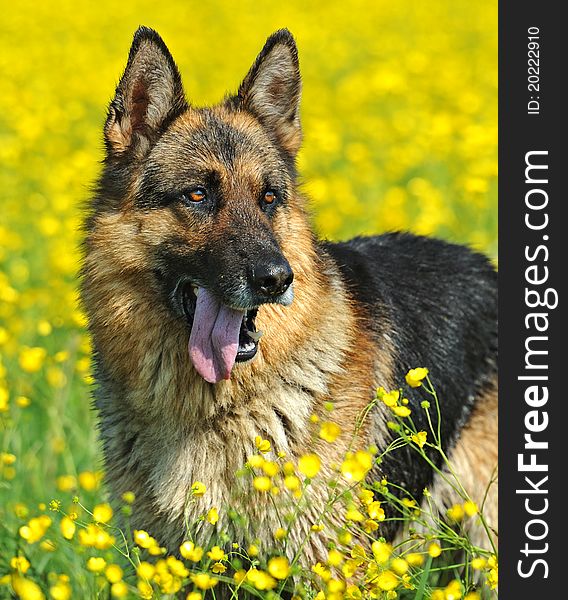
520, 133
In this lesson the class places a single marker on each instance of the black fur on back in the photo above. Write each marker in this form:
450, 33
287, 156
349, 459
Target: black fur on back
438, 303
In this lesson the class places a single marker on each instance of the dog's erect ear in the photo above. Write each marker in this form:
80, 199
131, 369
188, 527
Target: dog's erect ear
148, 97
271, 90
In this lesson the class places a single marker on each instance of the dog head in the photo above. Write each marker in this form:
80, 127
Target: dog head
211, 192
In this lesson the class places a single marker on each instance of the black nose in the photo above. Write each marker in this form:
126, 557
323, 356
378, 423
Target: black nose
272, 278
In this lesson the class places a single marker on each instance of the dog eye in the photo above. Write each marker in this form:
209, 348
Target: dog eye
194, 196
269, 197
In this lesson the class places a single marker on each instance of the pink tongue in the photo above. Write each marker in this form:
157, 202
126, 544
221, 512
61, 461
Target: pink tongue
214, 339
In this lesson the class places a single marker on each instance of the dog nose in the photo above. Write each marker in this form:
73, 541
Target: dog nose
272, 279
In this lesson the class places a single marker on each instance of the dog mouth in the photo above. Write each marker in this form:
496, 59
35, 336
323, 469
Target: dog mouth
220, 335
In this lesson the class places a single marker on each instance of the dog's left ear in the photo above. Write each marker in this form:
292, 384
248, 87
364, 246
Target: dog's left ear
271, 90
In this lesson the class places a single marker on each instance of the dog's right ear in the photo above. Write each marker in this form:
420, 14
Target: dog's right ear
149, 96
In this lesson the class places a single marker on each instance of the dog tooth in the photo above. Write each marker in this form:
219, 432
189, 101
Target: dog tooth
254, 335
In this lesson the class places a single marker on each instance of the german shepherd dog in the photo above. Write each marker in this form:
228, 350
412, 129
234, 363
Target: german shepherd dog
197, 240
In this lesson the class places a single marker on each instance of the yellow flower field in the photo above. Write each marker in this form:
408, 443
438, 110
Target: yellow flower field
399, 114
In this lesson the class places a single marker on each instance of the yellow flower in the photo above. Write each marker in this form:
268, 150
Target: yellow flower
198, 489
358, 552
387, 581
356, 466
390, 399
401, 411
21, 510
61, 590
256, 461
195, 596
216, 553
95, 537
353, 514
119, 589
47, 546
292, 482
279, 567
381, 551
261, 580
89, 481
322, 571
176, 567
44, 327
280, 534
478, 563
56, 377
329, 431
66, 483
472, 596
419, 438
399, 566
493, 576
262, 445
252, 550
96, 564
26, 589
270, 468
335, 587
20, 564
113, 573
102, 513
375, 511
369, 525
309, 465
453, 591
7, 458
366, 496
262, 483
353, 592
143, 538
335, 558
23, 401
9, 473
414, 377
203, 581
344, 537
191, 552
129, 497
240, 576
213, 516
218, 568
456, 513
167, 582
145, 570
415, 559
350, 567
470, 508
35, 529
31, 359
145, 590
67, 527
434, 550
4, 397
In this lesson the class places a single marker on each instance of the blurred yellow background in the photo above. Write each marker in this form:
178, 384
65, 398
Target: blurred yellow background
400, 120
